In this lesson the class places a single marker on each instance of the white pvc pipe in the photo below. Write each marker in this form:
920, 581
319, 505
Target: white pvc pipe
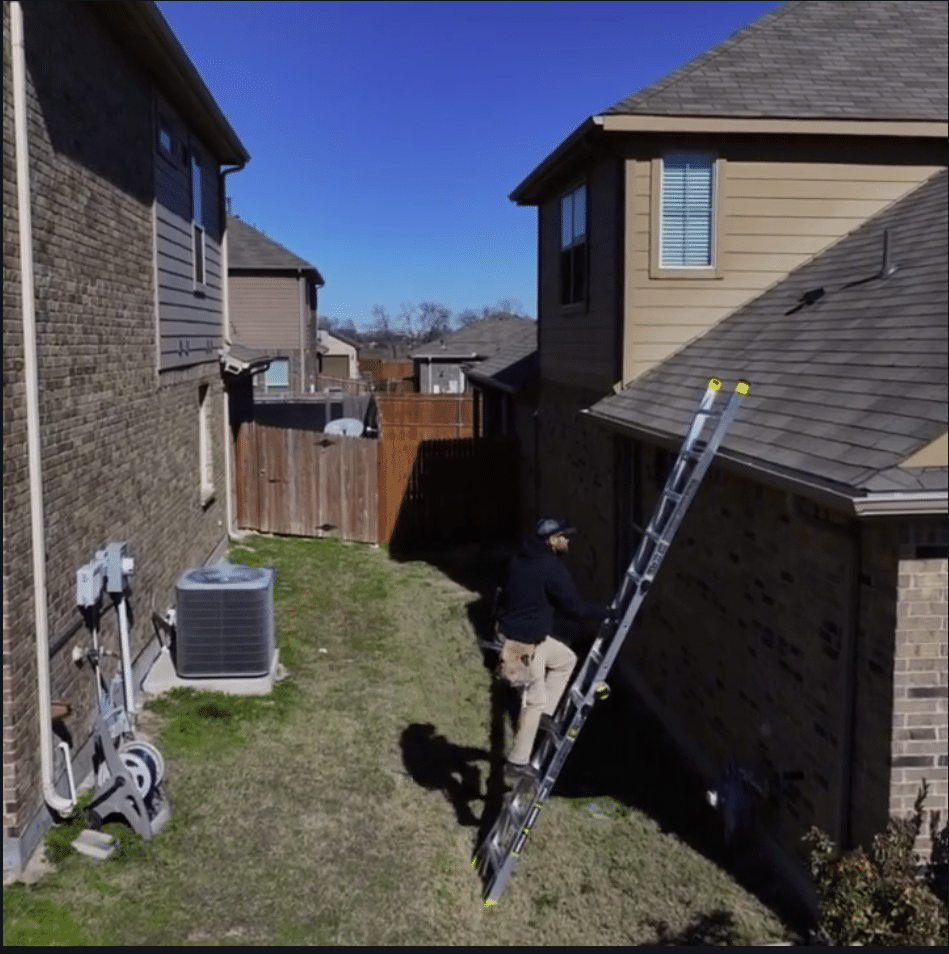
67, 756
126, 659
31, 381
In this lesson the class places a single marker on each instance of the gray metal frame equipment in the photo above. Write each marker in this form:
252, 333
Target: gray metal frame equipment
498, 854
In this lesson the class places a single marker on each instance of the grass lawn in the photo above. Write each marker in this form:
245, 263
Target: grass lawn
343, 808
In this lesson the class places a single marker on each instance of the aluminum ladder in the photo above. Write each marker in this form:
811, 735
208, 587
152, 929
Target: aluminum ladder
498, 854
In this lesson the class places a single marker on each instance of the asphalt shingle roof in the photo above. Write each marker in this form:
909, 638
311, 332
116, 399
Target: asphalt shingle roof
861, 59
515, 366
248, 247
482, 338
842, 390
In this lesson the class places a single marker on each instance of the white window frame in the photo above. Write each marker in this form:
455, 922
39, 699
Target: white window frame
284, 362
205, 445
659, 268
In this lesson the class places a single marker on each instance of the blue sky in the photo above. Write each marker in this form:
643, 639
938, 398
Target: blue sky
385, 137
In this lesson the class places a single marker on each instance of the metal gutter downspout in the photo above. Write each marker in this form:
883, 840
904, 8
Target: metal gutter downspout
301, 289
226, 338
31, 380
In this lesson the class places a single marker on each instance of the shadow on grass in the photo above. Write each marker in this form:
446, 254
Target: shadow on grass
712, 929
439, 765
623, 752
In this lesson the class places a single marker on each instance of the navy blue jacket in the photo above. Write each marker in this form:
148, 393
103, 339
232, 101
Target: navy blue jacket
537, 584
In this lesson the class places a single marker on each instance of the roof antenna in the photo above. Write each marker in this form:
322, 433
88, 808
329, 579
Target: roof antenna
888, 266
228, 205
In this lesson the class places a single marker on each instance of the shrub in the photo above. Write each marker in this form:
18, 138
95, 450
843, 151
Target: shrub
879, 898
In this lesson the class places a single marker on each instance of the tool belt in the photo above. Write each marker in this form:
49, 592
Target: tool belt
514, 666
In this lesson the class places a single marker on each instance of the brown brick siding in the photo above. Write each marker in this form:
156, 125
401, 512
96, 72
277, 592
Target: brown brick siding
921, 672
120, 451
775, 631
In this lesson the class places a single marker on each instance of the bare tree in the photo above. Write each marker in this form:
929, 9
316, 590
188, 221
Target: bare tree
503, 308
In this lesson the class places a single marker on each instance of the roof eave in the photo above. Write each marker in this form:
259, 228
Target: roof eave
487, 381
837, 496
773, 125
902, 504
527, 192
143, 27
530, 190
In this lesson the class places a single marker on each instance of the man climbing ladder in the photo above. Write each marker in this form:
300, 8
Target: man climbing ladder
497, 856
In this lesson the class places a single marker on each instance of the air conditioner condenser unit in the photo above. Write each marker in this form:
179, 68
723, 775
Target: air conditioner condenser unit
225, 622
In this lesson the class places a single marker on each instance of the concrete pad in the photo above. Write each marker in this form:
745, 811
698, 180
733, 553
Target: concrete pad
163, 676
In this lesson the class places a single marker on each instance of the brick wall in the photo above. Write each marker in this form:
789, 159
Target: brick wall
921, 677
120, 452
576, 463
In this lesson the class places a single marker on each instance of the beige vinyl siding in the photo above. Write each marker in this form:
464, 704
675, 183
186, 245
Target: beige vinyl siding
579, 342
265, 311
773, 217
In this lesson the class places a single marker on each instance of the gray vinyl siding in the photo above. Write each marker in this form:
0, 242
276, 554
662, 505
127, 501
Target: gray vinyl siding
189, 314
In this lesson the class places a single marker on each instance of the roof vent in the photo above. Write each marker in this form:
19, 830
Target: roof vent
888, 266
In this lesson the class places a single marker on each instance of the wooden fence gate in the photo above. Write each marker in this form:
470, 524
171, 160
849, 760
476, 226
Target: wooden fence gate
305, 483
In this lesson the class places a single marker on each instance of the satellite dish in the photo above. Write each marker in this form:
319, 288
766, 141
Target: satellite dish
347, 426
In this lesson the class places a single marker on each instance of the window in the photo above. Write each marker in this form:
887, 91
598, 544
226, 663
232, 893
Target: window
205, 444
686, 226
277, 376
573, 247
166, 139
197, 219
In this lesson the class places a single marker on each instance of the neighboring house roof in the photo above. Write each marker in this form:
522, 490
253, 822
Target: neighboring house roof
515, 367
478, 340
842, 390
339, 336
153, 46
249, 249
861, 59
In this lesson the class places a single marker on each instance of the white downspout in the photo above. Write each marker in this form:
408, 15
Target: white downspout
226, 340
31, 380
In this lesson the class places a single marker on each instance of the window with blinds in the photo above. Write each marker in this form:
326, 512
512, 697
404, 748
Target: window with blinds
687, 201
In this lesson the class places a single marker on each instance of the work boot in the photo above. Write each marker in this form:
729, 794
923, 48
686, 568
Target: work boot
515, 772
548, 724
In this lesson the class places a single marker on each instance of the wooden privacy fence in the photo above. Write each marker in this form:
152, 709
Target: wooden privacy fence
304, 483
425, 416
447, 491
428, 479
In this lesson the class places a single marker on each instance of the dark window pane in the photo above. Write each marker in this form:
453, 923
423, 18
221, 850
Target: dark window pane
580, 272
579, 213
198, 255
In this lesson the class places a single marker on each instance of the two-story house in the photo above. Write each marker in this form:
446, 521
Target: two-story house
670, 214
115, 158
273, 308
440, 365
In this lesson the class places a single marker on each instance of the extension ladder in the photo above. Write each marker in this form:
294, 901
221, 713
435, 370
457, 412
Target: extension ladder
497, 856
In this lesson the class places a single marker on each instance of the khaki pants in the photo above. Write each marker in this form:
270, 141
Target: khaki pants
544, 682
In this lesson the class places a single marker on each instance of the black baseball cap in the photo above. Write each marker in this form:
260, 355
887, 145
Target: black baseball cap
548, 526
